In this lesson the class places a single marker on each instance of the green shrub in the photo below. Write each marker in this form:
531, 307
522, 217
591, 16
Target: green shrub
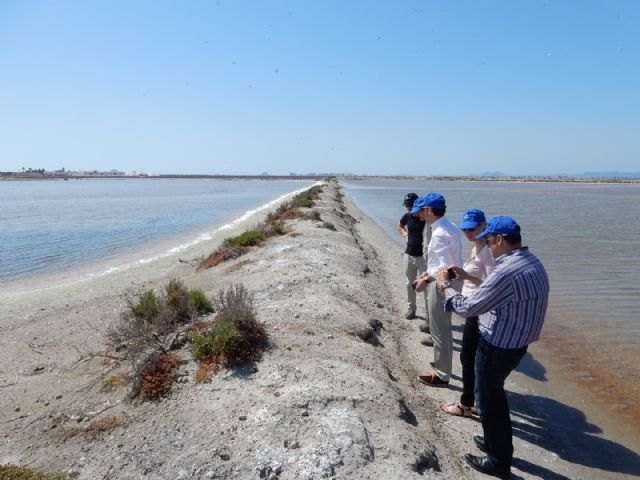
200, 302
223, 340
176, 299
13, 472
302, 200
236, 335
307, 198
147, 306
202, 344
246, 239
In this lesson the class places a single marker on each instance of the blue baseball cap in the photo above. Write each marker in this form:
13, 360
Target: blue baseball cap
500, 225
433, 200
472, 218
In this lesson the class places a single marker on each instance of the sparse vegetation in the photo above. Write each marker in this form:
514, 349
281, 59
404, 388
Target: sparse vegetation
149, 329
235, 336
200, 301
306, 199
96, 428
221, 255
275, 228
13, 472
274, 225
247, 239
112, 383
147, 306
158, 375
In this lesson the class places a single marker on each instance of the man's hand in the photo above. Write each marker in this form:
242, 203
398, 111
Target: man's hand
442, 276
421, 284
422, 281
460, 272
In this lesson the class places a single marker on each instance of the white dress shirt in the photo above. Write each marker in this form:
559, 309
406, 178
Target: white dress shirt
445, 246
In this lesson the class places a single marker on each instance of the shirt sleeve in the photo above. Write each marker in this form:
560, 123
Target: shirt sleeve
494, 292
404, 220
439, 249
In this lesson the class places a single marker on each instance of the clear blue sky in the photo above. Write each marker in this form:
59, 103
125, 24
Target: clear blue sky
367, 87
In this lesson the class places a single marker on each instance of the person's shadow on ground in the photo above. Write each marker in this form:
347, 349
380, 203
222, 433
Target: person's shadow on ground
564, 430
532, 368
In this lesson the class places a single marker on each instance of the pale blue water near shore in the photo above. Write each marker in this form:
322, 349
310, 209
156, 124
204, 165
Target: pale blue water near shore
51, 226
587, 235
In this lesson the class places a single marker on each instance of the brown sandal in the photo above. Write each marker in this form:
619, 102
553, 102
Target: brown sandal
456, 409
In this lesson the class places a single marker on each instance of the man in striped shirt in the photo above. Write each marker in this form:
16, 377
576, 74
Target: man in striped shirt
511, 304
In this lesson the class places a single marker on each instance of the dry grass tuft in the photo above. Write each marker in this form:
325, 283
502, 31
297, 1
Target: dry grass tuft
95, 429
238, 266
13, 472
207, 368
113, 383
221, 255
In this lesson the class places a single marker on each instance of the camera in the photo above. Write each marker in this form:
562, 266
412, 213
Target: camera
451, 274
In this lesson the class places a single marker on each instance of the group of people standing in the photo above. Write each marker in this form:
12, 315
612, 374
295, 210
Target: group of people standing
501, 291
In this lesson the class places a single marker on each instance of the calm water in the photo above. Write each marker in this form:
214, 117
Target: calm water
53, 226
587, 235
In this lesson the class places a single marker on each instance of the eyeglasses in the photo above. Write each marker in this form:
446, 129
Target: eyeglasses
469, 229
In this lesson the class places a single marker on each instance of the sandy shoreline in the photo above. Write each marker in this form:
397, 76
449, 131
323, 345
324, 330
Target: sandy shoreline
333, 397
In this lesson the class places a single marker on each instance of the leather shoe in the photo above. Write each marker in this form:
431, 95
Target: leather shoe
479, 441
484, 465
432, 380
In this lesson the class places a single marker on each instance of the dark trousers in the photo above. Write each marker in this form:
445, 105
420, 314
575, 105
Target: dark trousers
470, 336
493, 365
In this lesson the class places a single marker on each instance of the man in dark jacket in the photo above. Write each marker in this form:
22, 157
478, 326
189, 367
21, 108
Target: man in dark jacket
412, 229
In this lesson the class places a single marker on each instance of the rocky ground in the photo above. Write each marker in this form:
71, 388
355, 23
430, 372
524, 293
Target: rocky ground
334, 396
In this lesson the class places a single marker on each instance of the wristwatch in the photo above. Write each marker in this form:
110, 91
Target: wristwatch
445, 284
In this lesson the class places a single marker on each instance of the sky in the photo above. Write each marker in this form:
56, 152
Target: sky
365, 87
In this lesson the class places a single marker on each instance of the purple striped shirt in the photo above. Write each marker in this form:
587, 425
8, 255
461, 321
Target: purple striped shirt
511, 302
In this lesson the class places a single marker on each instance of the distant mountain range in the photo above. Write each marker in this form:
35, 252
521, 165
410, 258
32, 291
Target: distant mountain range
572, 175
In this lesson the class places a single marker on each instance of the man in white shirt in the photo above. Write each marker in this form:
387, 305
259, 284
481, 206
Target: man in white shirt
444, 250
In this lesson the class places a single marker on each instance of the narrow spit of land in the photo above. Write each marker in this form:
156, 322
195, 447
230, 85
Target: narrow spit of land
334, 396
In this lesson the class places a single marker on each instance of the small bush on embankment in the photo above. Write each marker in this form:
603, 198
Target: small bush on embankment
200, 301
150, 328
274, 225
234, 336
247, 239
13, 472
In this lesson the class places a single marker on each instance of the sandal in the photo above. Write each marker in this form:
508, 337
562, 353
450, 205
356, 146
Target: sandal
456, 409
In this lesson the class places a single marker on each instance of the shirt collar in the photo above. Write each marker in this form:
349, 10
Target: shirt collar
511, 253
